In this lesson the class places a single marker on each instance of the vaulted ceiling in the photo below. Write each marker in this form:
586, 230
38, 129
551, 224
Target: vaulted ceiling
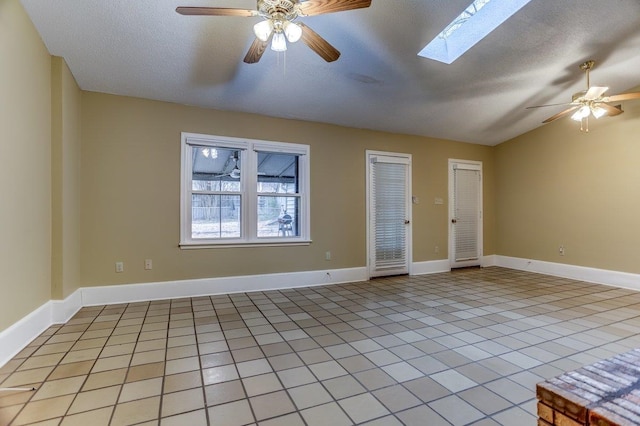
143, 48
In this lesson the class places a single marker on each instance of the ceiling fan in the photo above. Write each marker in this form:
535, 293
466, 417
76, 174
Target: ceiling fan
590, 102
278, 24
235, 172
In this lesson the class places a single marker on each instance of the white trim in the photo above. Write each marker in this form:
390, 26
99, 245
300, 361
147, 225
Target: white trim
398, 158
465, 165
442, 265
248, 192
211, 286
19, 335
581, 273
63, 310
487, 261
15, 338
245, 245
430, 267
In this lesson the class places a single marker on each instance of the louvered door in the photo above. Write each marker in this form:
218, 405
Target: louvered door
389, 214
465, 214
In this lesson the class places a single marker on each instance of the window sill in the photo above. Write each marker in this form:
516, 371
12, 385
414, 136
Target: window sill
196, 246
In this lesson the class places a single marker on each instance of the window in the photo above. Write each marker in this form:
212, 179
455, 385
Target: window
238, 191
478, 20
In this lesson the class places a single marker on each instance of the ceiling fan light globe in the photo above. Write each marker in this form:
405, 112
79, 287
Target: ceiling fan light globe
581, 113
263, 30
292, 31
278, 43
598, 112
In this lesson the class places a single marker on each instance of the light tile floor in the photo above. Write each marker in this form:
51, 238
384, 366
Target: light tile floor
458, 348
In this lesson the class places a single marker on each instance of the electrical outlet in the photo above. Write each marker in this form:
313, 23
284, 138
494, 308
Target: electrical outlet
148, 264
437, 249
327, 255
561, 250
119, 267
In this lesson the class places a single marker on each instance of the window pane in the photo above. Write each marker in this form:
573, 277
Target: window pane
215, 169
238, 191
215, 216
278, 216
277, 173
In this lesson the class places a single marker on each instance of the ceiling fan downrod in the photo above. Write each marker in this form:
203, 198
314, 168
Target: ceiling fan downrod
586, 67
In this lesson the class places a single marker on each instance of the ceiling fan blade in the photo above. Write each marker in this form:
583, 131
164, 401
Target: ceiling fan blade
622, 97
595, 92
611, 110
216, 11
561, 114
256, 50
318, 44
548, 105
319, 7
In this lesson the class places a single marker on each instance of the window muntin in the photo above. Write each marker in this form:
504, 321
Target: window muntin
243, 192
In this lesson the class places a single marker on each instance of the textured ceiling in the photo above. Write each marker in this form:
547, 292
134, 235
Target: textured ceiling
143, 48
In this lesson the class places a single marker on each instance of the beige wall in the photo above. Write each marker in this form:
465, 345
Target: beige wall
130, 192
25, 166
65, 171
89, 179
556, 185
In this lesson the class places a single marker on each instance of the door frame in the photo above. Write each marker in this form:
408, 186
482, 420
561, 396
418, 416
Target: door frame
369, 154
470, 165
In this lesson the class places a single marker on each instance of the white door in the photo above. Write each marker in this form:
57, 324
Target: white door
388, 213
465, 213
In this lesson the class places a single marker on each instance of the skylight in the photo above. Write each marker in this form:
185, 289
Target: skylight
468, 28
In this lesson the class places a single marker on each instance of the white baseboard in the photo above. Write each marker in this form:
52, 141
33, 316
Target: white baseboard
581, 273
430, 267
211, 286
19, 335
63, 310
443, 265
487, 261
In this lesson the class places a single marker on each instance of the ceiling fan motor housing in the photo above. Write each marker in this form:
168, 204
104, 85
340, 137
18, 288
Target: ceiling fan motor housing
588, 65
578, 96
282, 9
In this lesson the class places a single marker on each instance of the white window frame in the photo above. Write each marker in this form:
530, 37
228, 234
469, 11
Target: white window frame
249, 149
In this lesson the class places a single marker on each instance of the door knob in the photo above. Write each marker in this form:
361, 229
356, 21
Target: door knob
454, 220
407, 221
